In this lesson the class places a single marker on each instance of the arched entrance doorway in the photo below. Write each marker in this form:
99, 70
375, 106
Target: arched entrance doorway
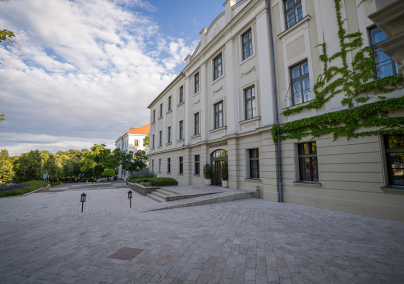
217, 159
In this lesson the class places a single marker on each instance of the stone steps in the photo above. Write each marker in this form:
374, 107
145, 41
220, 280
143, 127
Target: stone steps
201, 200
156, 197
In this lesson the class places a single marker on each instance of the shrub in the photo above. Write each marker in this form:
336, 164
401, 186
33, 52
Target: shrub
207, 171
145, 173
56, 183
28, 187
160, 181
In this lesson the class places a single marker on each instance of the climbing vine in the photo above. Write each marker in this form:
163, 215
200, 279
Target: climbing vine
355, 84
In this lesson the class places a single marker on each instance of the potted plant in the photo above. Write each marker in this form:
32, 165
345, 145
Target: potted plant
207, 173
224, 173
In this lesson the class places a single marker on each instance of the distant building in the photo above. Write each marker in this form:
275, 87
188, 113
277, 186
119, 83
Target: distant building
132, 141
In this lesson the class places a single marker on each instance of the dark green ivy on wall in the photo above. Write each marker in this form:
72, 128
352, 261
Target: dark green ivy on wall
356, 86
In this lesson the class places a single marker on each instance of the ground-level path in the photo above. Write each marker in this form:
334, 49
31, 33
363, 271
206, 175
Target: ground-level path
44, 238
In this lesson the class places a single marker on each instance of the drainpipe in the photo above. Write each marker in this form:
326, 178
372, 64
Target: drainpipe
276, 102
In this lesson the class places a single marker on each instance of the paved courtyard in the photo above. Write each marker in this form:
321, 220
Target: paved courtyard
44, 238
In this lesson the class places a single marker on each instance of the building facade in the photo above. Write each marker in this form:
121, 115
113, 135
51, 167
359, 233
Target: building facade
132, 141
224, 105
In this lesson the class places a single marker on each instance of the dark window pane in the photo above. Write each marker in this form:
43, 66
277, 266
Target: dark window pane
378, 36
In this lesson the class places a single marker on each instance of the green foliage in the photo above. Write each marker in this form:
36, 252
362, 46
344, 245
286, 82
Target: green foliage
33, 185
6, 167
353, 83
207, 171
52, 168
144, 173
146, 140
108, 173
7, 36
347, 122
98, 159
158, 181
28, 167
224, 171
2, 117
56, 183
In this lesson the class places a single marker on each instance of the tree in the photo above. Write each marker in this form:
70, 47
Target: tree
71, 168
146, 140
28, 167
54, 171
98, 159
6, 167
2, 118
108, 173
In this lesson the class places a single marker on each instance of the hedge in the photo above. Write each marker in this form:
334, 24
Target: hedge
31, 186
159, 181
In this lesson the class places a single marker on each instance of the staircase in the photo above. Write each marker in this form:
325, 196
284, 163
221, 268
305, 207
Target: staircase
160, 194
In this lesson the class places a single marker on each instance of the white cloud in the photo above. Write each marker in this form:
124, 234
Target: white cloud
87, 68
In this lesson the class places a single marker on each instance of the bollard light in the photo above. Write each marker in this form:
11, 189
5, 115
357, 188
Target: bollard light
257, 191
130, 198
82, 200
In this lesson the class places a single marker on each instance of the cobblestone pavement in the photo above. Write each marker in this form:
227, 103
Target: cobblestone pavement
45, 239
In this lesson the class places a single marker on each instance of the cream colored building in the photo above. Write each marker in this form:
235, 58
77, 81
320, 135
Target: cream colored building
132, 141
223, 106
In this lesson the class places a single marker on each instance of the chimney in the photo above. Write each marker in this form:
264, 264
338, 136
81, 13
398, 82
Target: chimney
203, 37
228, 11
187, 59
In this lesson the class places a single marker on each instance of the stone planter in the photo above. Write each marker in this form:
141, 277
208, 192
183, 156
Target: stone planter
143, 190
208, 181
225, 183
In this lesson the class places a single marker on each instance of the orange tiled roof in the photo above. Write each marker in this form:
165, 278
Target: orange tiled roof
145, 129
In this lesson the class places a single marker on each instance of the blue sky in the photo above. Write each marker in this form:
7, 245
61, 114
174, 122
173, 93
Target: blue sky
85, 71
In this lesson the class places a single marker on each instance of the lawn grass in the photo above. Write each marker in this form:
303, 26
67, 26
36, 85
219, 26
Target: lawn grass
31, 186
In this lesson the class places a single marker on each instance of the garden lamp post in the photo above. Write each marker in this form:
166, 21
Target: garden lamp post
82, 200
130, 198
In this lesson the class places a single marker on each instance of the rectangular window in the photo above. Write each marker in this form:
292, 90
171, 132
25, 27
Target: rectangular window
250, 103
136, 143
169, 103
300, 86
181, 130
152, 165
293, 12
154, 115
153, 140
385, 66
181, 94
161, 110
196, 83
254, 163
394, 145
168, 165
197, 168
169, 134
161, 137
247, 44
308, 165
159, 165
218, 115
217, 67
181, 165
196, 123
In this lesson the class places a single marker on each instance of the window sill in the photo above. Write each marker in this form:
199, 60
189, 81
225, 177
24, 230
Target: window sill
248, 58
170, 111
292, 28
393, 188
307, 183
152, 149
160, 118
154, 122
180, 174
218, 79
296, 106
249, 120
168, 144
168, 173
253, 179
197, 175
181, 103
218, 129
161, 146
195, 136
196, 93
181, 140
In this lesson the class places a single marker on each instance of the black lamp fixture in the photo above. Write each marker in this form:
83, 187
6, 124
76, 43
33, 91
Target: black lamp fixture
130, 198
82, 200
